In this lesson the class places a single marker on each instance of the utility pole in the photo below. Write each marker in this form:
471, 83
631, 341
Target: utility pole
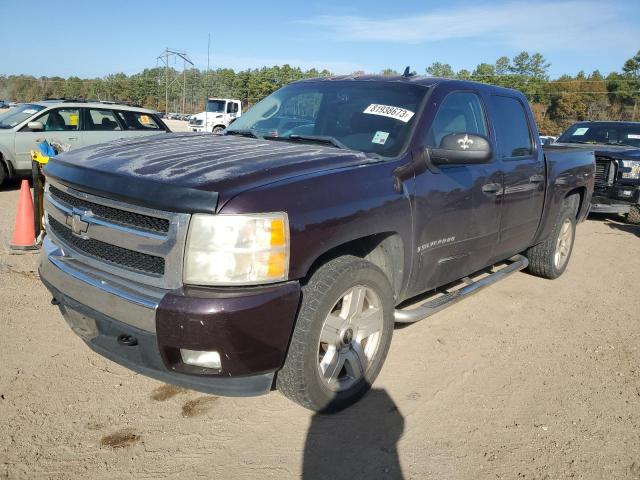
164, 57
206, 100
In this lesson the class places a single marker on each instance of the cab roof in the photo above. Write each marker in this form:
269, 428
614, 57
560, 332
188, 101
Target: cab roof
425, 81
63, 102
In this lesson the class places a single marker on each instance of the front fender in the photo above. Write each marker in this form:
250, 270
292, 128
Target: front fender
332, 208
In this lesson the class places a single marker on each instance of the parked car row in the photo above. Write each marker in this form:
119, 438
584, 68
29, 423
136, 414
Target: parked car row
177, 116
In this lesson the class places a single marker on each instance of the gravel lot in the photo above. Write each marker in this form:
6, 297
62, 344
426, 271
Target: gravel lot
530, 379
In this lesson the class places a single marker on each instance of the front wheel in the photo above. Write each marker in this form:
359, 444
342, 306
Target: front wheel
218, 130
341, 338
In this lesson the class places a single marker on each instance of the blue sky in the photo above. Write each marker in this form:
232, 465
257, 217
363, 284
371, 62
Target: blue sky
94, 38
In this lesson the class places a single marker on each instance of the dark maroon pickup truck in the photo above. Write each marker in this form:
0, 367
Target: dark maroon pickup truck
280, 254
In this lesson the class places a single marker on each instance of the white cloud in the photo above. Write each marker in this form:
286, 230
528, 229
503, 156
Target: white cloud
565, 25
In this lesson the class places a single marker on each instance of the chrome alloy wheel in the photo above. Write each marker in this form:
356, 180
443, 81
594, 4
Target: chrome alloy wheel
350, 338
563, 245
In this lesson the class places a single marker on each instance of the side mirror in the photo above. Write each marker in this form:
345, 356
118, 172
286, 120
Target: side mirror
35, 126
461, 149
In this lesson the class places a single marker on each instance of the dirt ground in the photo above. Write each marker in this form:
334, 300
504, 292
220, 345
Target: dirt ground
530, 379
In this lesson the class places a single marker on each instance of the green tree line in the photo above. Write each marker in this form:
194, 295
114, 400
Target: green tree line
556, 102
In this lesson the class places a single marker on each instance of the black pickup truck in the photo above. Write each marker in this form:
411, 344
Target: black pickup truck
280, 254
617, 150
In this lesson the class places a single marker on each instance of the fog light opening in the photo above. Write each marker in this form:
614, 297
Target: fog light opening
201, 358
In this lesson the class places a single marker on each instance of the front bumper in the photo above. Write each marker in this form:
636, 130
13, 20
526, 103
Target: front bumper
615, 199
144, 329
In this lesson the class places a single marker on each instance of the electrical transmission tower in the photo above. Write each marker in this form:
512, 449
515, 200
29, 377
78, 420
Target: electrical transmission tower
165, 57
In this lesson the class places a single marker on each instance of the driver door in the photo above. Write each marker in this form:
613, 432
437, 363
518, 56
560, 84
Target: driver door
457, 218
61, 125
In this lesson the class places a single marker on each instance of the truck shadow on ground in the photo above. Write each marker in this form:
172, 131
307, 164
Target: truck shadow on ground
616, 222
359, 442
633, 229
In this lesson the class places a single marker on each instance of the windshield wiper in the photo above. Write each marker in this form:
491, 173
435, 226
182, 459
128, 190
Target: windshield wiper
247, 132
318, 139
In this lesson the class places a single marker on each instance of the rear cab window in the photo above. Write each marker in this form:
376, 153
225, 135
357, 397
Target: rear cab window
513, 132
138, 120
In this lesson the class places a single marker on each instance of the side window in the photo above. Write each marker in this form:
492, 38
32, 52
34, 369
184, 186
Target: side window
60, 119
100, 119
232, 107
137, 120
460, 112
513, 135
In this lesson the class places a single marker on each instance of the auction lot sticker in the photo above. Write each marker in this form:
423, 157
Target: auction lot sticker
397, 113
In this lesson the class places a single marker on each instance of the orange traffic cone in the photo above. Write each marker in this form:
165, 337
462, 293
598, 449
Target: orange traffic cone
24, 234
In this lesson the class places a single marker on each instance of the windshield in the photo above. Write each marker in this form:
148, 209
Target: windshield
627, 134
371, 117
18, 115
215, 106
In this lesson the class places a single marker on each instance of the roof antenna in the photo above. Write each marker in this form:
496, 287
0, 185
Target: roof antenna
407, 72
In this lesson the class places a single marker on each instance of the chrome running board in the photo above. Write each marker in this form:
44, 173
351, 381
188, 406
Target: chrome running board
426, 308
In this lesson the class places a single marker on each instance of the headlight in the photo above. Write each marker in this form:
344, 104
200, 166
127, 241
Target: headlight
632, 168
237, 249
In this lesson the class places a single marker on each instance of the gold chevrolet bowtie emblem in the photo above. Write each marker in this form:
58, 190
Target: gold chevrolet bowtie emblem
78, 226
465, 142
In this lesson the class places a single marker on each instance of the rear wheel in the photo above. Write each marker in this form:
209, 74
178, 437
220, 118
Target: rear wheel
550, 258
342, 335
633, 217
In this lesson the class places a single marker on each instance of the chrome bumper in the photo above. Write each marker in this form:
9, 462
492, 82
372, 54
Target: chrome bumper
123, 300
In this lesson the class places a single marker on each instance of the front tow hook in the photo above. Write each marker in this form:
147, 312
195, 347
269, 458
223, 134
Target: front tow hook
127, 340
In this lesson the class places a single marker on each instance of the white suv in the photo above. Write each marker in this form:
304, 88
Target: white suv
72, 123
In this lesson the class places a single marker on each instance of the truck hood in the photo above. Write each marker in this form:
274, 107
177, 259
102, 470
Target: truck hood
621, 152
205, 115
191, 172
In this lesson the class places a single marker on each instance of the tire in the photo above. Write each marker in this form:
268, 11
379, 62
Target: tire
550, 258
218, 130
336, 353
633, 217
3, 172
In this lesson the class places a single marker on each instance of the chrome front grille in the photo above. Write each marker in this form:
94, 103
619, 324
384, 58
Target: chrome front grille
135, 243
605, 171
116, 256
121, 217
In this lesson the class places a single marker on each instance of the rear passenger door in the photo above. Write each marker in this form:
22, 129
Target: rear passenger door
524, 174
100, 125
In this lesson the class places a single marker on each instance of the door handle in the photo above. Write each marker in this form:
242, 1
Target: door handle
536, 178
492, 188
